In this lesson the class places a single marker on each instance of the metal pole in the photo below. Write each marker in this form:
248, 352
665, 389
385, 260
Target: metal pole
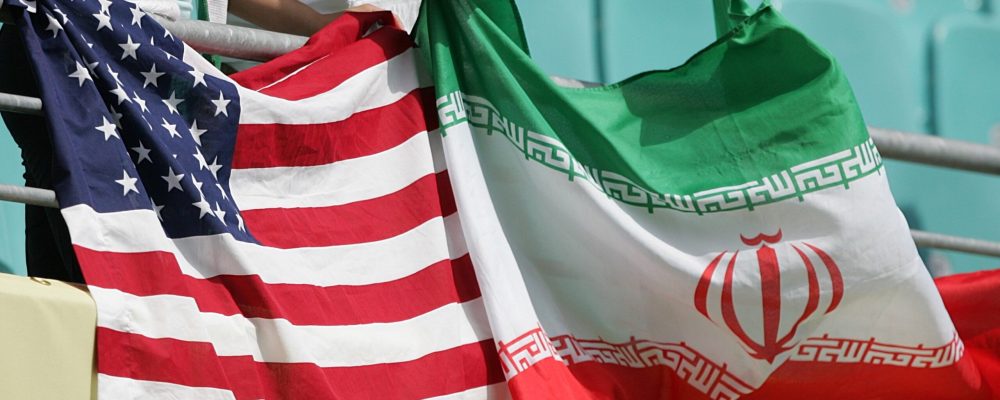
20, 104
233, 41
946, 242
226, 40
47, 198
254, 44
912, 147
29, 195
932, 150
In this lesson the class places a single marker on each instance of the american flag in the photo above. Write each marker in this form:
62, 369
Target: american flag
286, 232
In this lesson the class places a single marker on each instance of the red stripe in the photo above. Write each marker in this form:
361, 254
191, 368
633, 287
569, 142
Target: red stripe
445, 282
364, 133
973, 302
328, 72
550, 379
197, 364
359, 222
342, 43
811, 380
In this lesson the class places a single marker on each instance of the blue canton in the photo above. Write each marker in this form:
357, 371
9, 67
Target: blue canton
133, 125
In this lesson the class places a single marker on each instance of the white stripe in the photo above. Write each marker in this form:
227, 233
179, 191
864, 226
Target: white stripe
378, 86
337, 183
497, 269
496, 391
277, 340
114, 387
302, 68
197, 61
207, 256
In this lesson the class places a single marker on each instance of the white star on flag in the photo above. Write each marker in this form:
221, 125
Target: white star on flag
173, 180
122, 96
54, 25
199, 77
151, 76
203, 207
172, 102
157, 208
220, 105
202, 164
197, 185
140, 101
220, 213
81, 74
65, 19
222, 191
171, 128
169, 56
32, 6
196, 133
103, 21
129, 48
137, 15
214, 168
116, 117
113, 73
108, 129
143, 153
128, 183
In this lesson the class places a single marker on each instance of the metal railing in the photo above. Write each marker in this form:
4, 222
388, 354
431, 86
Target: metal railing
233, 41
254, 44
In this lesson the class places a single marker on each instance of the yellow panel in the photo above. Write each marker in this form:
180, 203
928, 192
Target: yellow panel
46, 339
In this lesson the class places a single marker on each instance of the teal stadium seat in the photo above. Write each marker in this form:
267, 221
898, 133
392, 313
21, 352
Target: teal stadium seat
11, 214
883, 47
966, 76
918, 18
884, 67
873, 48
643, 35
562, 36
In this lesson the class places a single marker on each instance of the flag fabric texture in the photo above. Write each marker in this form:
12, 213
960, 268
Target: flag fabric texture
722, 229
719, 230
285, 233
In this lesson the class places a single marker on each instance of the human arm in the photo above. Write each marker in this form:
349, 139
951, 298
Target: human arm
288, 16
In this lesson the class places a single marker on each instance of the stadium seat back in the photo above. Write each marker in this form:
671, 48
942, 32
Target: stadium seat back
11, 214
966, 64
645, 35
565, 49
879, 59
966, 76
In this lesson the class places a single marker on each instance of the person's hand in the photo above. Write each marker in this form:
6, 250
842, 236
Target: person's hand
364, 8
289, 16
327, 18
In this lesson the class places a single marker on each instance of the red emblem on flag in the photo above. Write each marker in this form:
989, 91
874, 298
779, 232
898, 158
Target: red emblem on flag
769, 275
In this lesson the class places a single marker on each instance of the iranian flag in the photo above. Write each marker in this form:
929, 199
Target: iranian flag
719, 230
